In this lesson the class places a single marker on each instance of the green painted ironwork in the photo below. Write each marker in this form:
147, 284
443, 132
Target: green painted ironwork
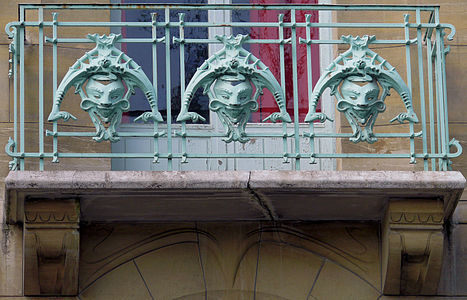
104, 69
361, 104
227, 78
234, 79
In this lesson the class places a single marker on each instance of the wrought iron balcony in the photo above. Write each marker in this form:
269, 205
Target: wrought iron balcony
279, 76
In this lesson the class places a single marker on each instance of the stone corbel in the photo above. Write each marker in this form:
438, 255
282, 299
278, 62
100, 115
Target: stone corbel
413, 247
51, 247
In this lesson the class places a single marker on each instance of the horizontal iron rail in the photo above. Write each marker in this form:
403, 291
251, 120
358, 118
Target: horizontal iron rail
230, 24
228, 155
366, 7
214, 134
211, 41
234, 24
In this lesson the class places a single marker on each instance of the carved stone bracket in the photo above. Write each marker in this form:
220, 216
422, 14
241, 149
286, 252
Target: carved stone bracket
413, 247
51, 247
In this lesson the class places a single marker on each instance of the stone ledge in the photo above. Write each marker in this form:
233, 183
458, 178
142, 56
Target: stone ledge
83, 180
128, 196
125, 180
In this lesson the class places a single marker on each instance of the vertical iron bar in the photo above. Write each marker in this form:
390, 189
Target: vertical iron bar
430, 99
440, 93
15, 90
438, 117
235, 160
54, 81
21, 88
445, 96
295, 91
41, 88
409, 84
264, 151
167, 89
310, 86
422, 89
282, 68
154, 84
182, 81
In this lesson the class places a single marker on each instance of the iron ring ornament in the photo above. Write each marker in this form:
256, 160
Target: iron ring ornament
109, 77
354, 78
233, 79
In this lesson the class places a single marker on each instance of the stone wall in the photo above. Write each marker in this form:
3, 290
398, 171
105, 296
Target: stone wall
11, 235
452, 12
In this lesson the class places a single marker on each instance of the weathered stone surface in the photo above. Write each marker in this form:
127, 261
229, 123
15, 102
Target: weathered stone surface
11, 254
328, 284
460, 214
231, 261
421, 298
298, 195
357, 180
9, 14
236, 195
412, 249
123, 283
127, 180
459, 253
51, 247
4, 84
37, 298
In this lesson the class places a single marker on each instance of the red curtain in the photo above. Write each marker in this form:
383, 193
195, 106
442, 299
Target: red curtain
269, 55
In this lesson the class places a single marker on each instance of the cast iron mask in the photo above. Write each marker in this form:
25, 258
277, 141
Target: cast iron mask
105, 71
233, 79
359, 72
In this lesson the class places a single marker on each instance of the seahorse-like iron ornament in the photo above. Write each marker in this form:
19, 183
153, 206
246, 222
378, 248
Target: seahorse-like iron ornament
228, 78
104, 72
359, 72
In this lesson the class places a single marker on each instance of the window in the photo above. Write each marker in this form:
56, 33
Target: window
195, 55
269, 53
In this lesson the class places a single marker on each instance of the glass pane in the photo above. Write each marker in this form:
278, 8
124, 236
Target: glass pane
269, 53
195, 54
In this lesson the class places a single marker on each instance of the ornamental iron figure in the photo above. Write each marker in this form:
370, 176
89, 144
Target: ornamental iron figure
233, 79
355, 78
105, 71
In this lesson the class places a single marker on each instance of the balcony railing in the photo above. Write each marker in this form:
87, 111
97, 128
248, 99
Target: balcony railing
303, 67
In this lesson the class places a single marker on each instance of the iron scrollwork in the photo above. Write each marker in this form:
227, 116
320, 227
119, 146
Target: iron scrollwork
233, 79
104, 72
354, 78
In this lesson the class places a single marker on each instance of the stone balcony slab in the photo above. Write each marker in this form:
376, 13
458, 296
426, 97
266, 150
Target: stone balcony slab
128, 196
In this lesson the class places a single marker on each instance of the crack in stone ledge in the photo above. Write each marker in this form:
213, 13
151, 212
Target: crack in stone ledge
266, 208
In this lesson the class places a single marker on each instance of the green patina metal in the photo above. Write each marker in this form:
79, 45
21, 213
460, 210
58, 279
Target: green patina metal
103, 70
233, 79
228, 77
357, 72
